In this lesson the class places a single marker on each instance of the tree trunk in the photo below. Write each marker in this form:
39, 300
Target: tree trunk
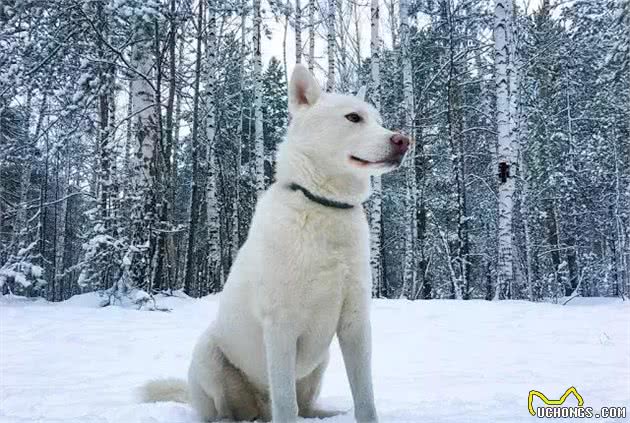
259, 142
344, 75
236, 221
159, 190
19, 232
376, 199
190, 279
454, 118
215, 274
170, 178
285, 31
356, 18
330, 82
298, 32
408, 111
505, 152
525, 215
61, 209
621, 268
311, 35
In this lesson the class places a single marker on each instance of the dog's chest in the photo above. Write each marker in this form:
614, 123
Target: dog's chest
334, 248
333, 256
331, 260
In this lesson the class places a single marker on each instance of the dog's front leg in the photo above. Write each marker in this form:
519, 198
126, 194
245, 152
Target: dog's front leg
281, 349
354, 335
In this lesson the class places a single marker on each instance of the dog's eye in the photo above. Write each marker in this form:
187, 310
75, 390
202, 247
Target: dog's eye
354, 117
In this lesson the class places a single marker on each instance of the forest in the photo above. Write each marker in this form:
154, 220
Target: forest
135, 137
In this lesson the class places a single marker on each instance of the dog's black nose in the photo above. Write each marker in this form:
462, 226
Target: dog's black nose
400, 142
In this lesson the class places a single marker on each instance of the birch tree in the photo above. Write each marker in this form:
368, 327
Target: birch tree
236, 225
332, 43
505, 148
375, 204
408, 113
311, 35
212, 215
259, 146
145, 214
298, 32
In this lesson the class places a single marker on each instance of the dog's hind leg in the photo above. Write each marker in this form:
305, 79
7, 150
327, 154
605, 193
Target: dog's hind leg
218, 390
307, 390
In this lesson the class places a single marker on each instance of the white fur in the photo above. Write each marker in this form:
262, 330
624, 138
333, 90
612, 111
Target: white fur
301, 277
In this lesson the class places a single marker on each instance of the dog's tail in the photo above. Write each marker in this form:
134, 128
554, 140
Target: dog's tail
165, 390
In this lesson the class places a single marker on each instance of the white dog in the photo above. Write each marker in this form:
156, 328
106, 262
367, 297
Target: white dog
302, 275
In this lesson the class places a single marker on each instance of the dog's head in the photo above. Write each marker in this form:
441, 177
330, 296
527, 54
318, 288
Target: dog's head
343, 132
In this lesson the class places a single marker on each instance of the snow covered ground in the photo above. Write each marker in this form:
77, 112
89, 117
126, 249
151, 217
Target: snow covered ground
434, 361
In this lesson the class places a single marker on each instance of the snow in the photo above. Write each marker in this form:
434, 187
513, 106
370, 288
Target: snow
18, 277
434, 361
36, 271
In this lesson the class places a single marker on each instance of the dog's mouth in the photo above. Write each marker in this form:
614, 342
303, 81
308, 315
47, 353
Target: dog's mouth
392, 161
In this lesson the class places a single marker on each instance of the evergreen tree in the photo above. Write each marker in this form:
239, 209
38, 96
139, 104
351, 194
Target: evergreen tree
275, 114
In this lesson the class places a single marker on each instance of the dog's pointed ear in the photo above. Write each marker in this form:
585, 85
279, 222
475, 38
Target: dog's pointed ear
304, 91
361, 93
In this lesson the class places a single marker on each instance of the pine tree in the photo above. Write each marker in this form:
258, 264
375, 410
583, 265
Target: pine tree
274, 113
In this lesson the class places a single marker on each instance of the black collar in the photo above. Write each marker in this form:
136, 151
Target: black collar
317, 199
